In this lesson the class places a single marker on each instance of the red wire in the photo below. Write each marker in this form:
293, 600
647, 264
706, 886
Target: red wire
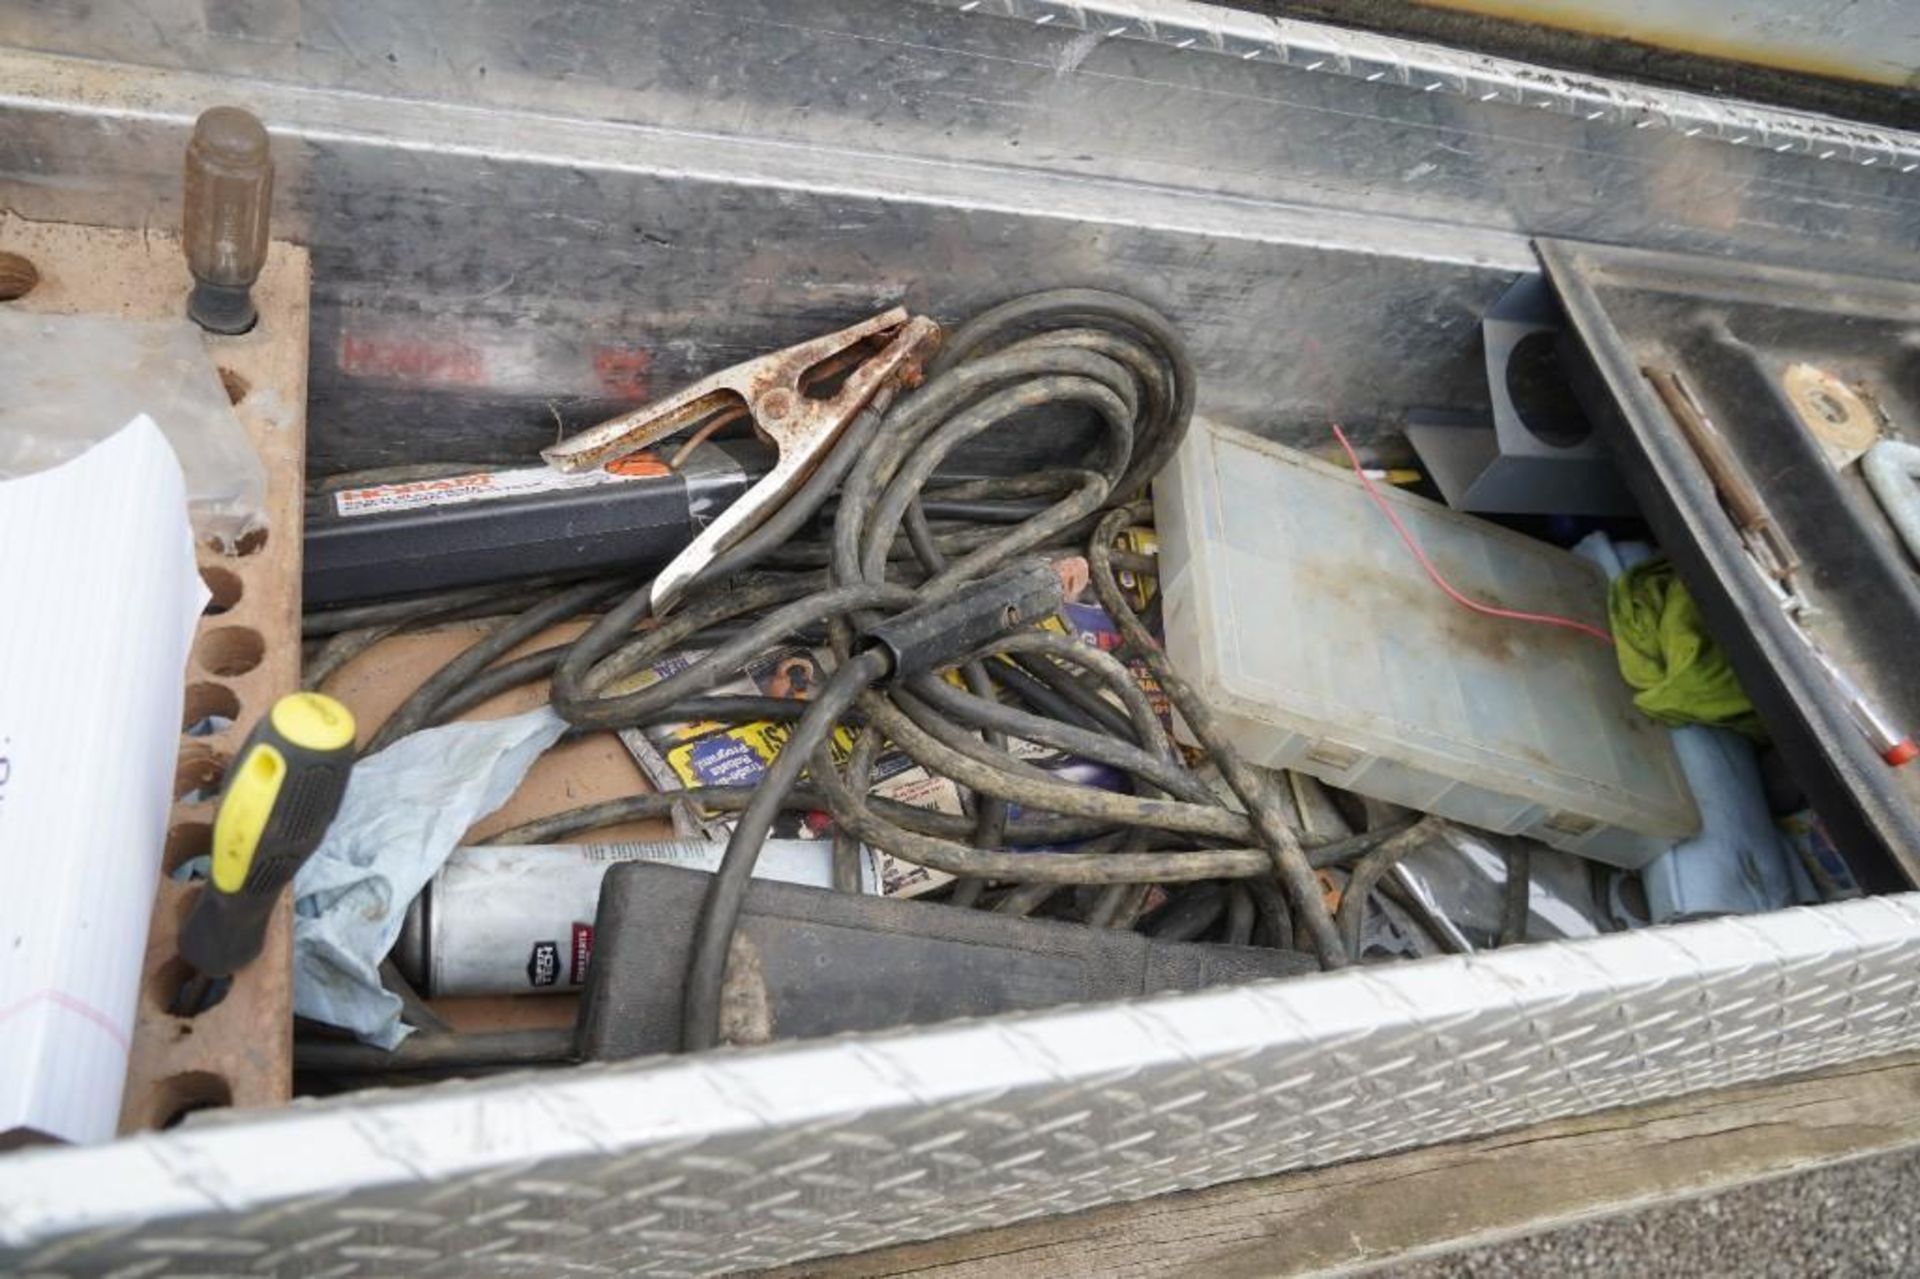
1542, 619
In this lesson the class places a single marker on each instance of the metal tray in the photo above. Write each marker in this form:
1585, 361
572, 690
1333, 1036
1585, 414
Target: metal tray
1736, 329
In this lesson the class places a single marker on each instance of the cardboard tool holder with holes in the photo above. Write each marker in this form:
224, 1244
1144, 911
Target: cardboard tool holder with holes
245, 654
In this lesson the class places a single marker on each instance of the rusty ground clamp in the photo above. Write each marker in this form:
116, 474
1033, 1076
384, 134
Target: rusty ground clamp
772, 392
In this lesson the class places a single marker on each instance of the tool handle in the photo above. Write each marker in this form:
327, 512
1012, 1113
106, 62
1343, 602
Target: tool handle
226, 931
1730, 479
934, 635
280, 796
1892, 744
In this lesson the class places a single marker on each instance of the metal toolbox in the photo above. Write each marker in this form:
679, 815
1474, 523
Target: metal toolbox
505, 204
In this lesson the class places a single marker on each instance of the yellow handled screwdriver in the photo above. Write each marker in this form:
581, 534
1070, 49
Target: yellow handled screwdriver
280, 796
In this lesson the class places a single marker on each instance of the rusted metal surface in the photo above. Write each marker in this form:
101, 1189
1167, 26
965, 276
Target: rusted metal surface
773, 390
769, 385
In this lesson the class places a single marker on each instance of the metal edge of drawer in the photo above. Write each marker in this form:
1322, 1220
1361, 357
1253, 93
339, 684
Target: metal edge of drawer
747, 1159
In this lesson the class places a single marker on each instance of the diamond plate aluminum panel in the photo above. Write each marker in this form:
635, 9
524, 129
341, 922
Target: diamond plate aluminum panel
747, 1159
504, 201
1375, 59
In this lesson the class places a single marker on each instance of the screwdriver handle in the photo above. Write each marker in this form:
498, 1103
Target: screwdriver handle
280, 796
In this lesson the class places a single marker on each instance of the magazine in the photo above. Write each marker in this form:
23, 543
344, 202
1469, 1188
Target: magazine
708, 753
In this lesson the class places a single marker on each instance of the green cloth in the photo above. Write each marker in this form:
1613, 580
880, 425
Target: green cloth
1665, 652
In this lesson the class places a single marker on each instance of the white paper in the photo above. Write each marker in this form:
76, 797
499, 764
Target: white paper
98, 599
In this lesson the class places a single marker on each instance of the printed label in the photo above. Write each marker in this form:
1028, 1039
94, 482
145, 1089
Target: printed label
481, 486
412, 360
582, 954
543, 965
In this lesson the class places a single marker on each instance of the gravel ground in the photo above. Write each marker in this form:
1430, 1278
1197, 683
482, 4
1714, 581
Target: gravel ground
1856, 1219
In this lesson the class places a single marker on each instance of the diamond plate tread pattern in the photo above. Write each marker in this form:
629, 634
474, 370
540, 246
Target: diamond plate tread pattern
741, 1160
1483, 78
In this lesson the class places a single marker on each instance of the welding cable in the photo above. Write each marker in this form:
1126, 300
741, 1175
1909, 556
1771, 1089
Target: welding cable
1033, 829
901, 820
1275, 922
1023, 899
346, 633
457, 689
1118, 326
957, 404
1370, 870
339, 649
947, 411
581, 702
1190, 914
877, 530
863, 532
1241, 916
727, 890
1056, 690
1309, 909
989, 811
920, 433
1153, 763
1121, 905
495, 680
1131, 562
417, 711
721, 664
947, 751
963, 893
1032, 788
1516, 896
1157, 867
495, 598
1052, 694
802, 554
846, 845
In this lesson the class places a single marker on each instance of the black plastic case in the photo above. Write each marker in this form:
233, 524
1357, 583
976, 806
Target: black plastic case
807, 962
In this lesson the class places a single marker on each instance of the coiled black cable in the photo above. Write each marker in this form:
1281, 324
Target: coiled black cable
896, 536
1101, 353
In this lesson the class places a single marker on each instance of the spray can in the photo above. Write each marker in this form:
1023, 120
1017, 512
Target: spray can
518, 919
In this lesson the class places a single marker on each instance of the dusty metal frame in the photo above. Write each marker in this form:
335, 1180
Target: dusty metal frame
498, 197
